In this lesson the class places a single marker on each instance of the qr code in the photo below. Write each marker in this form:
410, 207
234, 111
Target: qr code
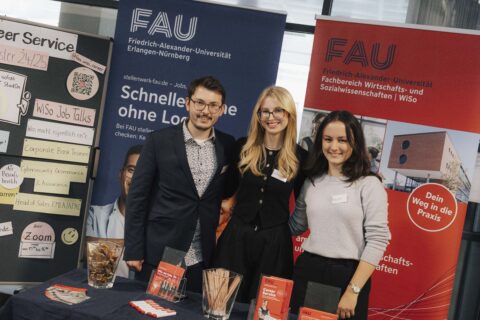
82, 83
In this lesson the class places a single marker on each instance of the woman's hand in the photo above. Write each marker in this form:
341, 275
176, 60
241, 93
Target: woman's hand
346, 306
226, 210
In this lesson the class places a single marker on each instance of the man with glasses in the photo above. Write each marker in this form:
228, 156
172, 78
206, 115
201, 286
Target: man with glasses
108, 221
177, 188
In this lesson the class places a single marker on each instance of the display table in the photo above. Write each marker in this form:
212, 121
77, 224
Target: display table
103, 303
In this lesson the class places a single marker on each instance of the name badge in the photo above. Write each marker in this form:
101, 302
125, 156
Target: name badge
339, 198
277, 175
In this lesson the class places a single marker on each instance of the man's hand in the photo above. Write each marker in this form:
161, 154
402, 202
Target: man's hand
135, 264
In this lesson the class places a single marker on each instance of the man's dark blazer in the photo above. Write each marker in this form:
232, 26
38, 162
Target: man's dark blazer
163, 204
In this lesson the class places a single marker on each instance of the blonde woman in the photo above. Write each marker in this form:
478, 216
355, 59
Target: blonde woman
257, 239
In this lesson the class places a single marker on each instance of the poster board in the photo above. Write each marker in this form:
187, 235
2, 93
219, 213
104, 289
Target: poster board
52, 90
159, 49
415, 91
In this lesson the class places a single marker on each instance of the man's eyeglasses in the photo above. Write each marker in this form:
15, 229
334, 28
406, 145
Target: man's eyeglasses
277, 113
200, 105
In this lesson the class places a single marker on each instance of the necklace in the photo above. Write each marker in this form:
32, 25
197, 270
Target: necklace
272, 148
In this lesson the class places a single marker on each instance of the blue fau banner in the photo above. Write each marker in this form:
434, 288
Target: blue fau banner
159, 47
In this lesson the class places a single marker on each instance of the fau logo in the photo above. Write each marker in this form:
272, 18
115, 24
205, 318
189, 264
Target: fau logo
357, 53
161, 24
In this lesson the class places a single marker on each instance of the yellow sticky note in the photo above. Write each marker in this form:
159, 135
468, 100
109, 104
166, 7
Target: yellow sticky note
55, 150
46, 185
7, 196
53, 177
47, 204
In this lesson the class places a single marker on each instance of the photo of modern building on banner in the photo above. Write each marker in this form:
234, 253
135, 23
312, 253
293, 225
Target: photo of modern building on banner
428, 157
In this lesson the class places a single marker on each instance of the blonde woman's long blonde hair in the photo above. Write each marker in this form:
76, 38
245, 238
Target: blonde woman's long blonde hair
253, 154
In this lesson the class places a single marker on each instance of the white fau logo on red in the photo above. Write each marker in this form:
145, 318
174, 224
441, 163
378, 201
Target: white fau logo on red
141, 18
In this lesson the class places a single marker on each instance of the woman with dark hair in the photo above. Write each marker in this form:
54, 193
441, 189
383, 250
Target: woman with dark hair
345, 207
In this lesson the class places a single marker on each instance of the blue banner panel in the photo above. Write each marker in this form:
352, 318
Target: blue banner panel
159, 47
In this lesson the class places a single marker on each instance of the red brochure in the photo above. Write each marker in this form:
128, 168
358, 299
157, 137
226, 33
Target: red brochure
166, 280
273, 298
312, 314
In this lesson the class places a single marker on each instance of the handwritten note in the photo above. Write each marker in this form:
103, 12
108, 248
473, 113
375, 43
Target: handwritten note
38, 231
36, 250
55, 150
6, 229
23, 57
4, 136
64, 112
37, 241
7, 196
10, 176
47, 204
59, 132
88, 63
14, 101
53, 177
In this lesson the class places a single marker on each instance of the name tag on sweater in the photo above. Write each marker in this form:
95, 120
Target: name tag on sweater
339, 198
277, 175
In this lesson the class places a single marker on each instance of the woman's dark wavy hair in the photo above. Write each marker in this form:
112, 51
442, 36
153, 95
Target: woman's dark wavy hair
358, 165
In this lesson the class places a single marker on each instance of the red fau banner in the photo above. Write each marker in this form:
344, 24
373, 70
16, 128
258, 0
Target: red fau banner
415, 91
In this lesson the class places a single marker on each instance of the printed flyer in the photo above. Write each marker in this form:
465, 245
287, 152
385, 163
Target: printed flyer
273, 298
165, 281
